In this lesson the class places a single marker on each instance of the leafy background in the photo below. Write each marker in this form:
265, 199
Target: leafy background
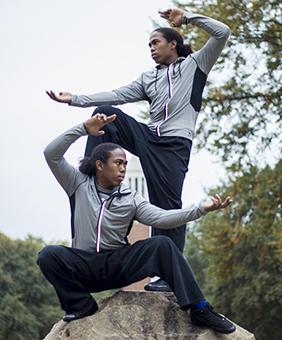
236, 254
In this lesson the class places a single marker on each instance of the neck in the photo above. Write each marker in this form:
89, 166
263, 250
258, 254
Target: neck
171, 60
104, 185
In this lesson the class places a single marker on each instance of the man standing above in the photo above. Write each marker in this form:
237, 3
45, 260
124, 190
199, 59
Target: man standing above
102, 213
174, 90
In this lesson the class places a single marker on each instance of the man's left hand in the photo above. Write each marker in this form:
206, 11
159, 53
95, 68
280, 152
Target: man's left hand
216, 203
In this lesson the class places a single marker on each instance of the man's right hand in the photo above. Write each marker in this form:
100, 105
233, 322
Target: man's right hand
94, 124
62, 97
174, 16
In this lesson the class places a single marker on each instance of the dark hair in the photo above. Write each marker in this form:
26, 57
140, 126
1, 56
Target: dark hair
100, 153
170, 34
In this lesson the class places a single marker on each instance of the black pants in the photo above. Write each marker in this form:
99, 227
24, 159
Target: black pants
75, 273
164, 161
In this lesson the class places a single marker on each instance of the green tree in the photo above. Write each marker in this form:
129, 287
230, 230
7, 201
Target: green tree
195, 255
242, 104
28, 303
241, 251
29, 306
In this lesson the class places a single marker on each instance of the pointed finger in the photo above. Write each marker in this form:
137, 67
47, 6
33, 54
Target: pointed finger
111, 118
96, 116
51, 94
226, 202
165, 14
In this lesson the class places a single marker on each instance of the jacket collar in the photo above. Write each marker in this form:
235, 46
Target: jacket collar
178, 60
121, 190
124, 189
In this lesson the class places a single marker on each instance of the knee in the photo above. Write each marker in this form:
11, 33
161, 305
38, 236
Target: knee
106, 110
163, 243
46, 256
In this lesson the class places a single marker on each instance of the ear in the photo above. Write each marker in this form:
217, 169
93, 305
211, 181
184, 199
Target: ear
99, 165
173, 44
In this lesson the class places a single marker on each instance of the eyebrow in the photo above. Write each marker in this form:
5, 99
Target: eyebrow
153, 41
121, 160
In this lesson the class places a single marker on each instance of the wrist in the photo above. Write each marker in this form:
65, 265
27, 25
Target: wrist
85, 128
203, 208
184, 20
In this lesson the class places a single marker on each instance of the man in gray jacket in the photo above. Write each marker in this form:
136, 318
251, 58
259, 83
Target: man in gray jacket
174, 90
102, 212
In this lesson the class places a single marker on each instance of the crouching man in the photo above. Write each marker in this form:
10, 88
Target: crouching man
102, 212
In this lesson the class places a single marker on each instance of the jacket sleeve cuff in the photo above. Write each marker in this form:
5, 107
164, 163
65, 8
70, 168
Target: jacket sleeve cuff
201, 207
81, 129
73, 101
187, 16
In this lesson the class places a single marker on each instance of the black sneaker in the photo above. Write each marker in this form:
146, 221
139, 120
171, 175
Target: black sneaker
157, 286
79, 315
210, 318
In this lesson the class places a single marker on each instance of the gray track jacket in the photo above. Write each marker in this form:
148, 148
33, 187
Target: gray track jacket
104, 225
174, 92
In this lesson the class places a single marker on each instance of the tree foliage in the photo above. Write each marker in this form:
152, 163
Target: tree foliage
240, 252
243, 102
29, 306
28, 303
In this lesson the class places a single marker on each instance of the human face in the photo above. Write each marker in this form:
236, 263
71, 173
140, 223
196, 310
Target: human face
162, 51
111, 173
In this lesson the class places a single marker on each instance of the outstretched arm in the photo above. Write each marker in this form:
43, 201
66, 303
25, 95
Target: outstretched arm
149, 214
102, 98
208, 54
130, 93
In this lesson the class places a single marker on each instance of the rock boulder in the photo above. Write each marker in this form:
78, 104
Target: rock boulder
139, 315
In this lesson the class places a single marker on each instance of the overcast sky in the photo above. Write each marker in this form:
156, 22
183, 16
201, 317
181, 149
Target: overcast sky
82, 47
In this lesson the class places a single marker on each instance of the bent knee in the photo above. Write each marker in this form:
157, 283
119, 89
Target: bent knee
46, 255
106, 110
163, 241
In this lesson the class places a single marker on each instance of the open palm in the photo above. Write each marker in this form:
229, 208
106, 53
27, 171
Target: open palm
216, 203
62, 97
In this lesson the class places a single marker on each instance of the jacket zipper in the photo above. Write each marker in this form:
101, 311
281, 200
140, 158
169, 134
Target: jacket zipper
102, 209
166, 113
98, 238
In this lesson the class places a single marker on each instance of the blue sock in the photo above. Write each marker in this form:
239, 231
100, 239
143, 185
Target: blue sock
200, 305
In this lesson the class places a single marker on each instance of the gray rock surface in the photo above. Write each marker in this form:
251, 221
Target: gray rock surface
139, 316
